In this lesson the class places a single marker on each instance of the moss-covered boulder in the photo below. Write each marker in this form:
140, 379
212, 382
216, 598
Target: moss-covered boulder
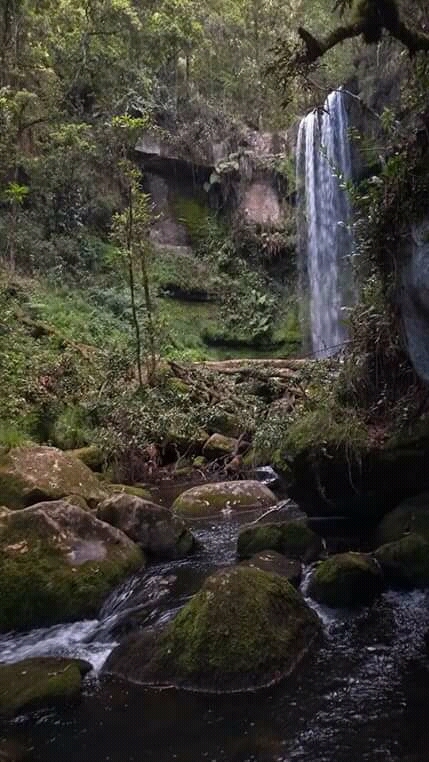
276, 563
293, 539
91, 455
347, 579
245, 629
211, 499
157, 530
29, 475
218, 445
410, 516
40, 682
405, 563
57, 563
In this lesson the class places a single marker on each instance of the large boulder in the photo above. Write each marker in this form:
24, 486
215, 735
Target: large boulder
245, 629
405, 562
40, 682
293, 539
29, 475
157, 531
412, 515
57, 563
346, 579
211, 499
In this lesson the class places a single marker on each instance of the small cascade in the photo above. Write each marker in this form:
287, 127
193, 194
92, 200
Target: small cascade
324, 237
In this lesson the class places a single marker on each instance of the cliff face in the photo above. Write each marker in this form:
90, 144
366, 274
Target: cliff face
241, 175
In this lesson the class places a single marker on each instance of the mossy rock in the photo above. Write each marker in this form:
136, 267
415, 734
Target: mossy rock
40, 682
347, 579
157, 531
57, 563
276, 563
245, 629
29, 475
405, 562
77, 500
212, 499
129, 489
218, 446
410, 516
293, 539
91, 455
199, 462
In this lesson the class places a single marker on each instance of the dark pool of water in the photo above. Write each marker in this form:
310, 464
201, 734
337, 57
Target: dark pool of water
363, 695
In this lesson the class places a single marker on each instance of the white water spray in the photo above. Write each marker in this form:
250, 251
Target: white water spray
324, 237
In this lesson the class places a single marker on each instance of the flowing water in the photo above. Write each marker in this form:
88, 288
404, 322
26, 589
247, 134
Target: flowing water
362, 696
324, 237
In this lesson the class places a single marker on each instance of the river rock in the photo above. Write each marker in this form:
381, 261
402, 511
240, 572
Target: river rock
412, 515
218, 445
57, 563
293, 539
155, 529
245, 629
271, 561
29, 475
346, 579
40, 682
405, 562
210, 499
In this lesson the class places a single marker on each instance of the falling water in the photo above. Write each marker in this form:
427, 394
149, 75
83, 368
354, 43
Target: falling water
324, 238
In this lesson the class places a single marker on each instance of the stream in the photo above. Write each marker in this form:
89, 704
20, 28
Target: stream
362, 696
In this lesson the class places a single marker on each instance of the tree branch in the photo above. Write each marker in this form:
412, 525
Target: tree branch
315, 48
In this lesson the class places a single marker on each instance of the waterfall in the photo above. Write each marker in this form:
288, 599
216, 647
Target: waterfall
324, 237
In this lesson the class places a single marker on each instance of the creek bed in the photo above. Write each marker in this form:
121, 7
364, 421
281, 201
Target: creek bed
363, 696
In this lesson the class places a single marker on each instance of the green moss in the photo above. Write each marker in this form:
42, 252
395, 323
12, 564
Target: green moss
346, 579
38, 587
292, 538
245, 624
91, 456
406, 561
33, 683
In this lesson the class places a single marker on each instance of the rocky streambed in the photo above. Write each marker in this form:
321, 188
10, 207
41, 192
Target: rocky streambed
359, 692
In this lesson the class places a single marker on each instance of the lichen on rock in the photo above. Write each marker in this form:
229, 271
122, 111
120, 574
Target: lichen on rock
211, 499
29, 475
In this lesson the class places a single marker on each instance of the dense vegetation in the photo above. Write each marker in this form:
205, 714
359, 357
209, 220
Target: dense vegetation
92, 338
